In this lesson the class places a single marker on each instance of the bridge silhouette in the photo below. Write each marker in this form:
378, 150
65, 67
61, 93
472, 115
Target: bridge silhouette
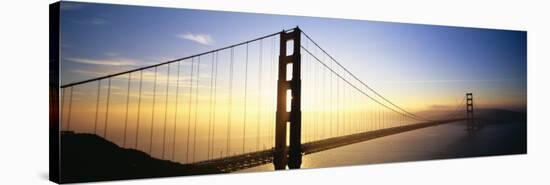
241, 106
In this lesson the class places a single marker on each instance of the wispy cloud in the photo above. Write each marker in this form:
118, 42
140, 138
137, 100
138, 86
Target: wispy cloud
112, 54
89, 73
65, 45
104, 62
94, 21
97, 21
204, 39
71, 6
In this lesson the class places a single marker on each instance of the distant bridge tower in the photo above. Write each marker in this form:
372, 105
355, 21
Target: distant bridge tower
471, 124
288, 155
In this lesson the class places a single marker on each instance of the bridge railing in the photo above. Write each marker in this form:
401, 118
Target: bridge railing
211, 105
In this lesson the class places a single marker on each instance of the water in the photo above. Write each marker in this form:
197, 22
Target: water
439, 142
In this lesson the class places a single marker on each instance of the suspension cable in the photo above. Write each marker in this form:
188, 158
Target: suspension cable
355, 87
364, 84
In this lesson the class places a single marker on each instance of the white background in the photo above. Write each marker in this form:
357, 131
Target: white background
24, 91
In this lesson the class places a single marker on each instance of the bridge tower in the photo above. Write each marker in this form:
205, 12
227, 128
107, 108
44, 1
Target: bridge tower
288, 82
471, 125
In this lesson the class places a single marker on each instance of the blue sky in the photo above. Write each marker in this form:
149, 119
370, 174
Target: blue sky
441, 63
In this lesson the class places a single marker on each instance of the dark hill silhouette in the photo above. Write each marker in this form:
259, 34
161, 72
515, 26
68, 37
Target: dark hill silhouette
88, 157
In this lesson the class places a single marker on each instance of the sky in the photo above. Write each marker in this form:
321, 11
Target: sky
434, 65
421, 68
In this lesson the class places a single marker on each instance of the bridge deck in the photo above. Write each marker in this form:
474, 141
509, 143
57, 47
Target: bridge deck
237, 162
248, 160
330, 143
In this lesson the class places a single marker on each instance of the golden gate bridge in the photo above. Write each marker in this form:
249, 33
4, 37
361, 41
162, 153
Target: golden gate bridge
271, 99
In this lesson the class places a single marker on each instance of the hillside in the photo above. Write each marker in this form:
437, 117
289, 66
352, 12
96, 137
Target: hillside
88, 157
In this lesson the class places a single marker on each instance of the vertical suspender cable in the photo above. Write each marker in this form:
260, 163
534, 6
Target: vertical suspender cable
126, 113
153, 114
62, 114
316, 80
196, 108
338, 107
272, 84
189, 110
70, 108
379, 125
307, 78
139, 107
176, 114
62, 107
230, 97
331, 105
345, 106
313, 100
107, 109
210, 107
215, 100
96, 106
325, 101
259, 107
245, 93
165, 112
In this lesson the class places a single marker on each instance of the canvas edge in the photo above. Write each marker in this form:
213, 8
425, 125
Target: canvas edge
54, 23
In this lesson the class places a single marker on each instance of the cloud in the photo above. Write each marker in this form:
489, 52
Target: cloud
104, 62
89, 73
98, 21
148, 76
66, 46
71, 6
112, 54
95, 21
204, 39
